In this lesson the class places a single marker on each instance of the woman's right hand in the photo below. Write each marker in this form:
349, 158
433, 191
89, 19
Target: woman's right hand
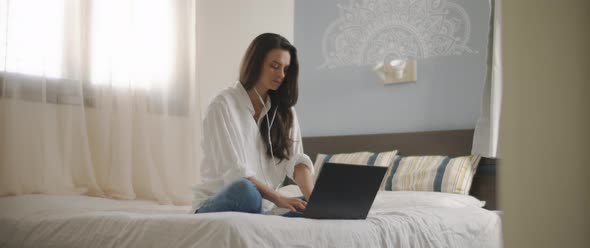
294, 204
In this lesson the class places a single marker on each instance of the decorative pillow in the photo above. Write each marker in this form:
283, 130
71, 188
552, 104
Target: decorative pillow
383, 159
407, 199
432, 173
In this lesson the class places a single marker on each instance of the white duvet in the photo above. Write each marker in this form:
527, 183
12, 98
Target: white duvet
397, 219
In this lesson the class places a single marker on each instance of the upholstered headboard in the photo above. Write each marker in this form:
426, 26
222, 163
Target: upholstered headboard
450, 143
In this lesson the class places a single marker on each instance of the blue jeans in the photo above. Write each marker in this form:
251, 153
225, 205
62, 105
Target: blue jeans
240, 196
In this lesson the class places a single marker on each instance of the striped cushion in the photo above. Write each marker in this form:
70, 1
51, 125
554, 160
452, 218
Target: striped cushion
432, 173
384, 159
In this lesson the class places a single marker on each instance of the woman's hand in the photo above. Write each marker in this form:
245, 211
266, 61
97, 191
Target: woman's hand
294, 204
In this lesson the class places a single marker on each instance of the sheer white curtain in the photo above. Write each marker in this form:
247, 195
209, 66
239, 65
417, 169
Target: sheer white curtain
99, 98
485, 141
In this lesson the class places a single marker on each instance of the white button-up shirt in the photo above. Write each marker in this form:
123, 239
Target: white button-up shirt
233, 147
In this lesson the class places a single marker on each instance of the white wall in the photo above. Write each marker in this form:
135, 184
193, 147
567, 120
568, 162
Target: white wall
225, 28
545, 125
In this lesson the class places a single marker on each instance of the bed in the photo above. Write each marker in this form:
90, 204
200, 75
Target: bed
396, 219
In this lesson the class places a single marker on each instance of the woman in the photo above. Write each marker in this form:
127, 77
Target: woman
251, 136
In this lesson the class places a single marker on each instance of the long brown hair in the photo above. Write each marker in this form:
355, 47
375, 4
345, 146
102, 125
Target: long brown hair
282, 99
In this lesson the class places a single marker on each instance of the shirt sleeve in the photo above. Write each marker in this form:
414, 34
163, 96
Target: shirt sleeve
222, 142
297, 154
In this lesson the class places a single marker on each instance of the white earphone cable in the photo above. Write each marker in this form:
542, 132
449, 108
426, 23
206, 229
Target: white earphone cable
269, 124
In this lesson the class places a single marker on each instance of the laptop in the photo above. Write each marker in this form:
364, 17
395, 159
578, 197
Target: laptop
344, 191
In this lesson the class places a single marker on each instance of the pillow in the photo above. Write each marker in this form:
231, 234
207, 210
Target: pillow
410, 199
291, 190
407, 199
432, 173
383, 159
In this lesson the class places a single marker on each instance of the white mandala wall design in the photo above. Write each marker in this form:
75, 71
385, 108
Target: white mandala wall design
371, 31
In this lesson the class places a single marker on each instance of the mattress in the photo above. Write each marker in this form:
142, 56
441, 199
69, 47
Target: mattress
396, 219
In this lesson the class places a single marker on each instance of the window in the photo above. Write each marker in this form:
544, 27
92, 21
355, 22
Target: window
131, 44
31, 37
104, 42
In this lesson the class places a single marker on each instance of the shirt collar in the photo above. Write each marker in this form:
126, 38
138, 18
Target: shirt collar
244, 98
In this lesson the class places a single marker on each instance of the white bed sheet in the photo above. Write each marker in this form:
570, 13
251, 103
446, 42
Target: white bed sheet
394, 221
